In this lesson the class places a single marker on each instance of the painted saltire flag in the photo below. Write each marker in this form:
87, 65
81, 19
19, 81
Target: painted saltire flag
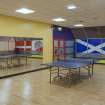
81, 46
90, 46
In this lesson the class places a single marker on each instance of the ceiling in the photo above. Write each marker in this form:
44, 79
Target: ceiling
88, 12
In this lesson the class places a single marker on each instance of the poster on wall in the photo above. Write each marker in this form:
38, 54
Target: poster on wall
37, 47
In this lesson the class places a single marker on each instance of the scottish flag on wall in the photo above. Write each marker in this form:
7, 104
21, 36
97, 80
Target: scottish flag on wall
90, 46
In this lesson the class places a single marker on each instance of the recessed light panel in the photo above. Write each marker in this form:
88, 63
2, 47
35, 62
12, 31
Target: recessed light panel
71, 7
59, 19
25, 11
79, 25
60, 28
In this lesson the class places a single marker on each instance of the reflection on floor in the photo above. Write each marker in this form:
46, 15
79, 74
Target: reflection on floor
35, 89
33, 64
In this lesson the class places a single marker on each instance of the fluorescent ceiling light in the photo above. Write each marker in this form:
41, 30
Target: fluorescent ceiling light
79, 25
59, 19
25, 11
71, 7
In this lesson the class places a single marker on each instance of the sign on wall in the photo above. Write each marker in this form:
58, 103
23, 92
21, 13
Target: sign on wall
37, 46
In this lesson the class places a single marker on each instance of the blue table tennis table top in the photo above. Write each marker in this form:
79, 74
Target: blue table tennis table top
72, 63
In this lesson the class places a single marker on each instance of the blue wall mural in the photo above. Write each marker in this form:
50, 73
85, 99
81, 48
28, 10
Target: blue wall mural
64, 33
63, 43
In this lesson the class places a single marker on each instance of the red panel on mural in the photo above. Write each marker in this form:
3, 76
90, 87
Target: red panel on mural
28, 49
19, 49
28, 43
59, 49
19, 43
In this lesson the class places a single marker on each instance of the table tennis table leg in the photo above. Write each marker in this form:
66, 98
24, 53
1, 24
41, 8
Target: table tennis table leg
92, 69
79, 72
7, 63
58, 72
26, 60
70, 77
11, 60
19, 63
50, 74
89, 74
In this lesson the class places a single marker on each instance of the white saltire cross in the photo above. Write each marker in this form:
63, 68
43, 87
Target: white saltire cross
91, 47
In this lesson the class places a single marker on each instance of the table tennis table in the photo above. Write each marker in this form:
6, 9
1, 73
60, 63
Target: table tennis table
9, 57
74, 64
94, 56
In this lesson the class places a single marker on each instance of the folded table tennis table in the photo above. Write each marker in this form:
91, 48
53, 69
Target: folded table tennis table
10, 57
71, 65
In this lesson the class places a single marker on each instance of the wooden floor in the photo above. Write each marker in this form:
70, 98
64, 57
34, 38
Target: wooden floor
35, 89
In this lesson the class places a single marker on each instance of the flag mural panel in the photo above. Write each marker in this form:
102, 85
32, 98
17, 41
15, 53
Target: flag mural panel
90, 46
81, 46
63, 43
34, 46
103, 45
